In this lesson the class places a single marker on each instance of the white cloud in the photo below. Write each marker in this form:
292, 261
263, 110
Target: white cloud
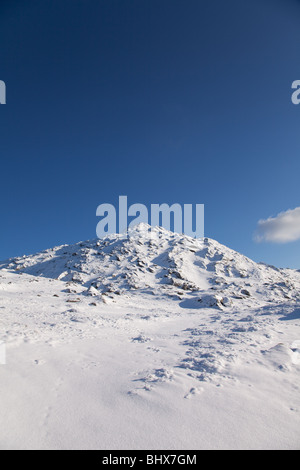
283, 228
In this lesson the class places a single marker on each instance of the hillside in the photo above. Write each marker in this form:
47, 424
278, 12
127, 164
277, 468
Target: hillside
195, 338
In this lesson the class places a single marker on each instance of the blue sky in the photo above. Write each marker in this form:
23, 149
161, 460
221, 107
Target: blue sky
164, 101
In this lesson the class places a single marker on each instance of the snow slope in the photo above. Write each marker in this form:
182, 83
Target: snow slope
148, 342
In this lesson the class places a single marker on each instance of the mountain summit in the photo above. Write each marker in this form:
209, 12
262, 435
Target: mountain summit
195, 272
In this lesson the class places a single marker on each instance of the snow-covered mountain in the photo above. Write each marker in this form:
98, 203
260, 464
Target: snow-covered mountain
150, 341
198, 273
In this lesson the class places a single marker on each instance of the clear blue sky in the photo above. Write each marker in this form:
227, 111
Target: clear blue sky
185, 101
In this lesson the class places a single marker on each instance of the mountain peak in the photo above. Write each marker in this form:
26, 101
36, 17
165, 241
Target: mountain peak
154, 261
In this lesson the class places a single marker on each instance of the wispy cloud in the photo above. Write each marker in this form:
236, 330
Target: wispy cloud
283, 228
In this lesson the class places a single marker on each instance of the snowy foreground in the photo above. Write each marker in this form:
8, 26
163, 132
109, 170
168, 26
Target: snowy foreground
149, 343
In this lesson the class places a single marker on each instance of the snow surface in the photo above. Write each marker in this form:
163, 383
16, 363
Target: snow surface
161, 342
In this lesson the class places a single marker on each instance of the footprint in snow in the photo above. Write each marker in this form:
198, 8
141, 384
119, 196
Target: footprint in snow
295, 348
39, 362
193, 391
157, 376
141, 339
